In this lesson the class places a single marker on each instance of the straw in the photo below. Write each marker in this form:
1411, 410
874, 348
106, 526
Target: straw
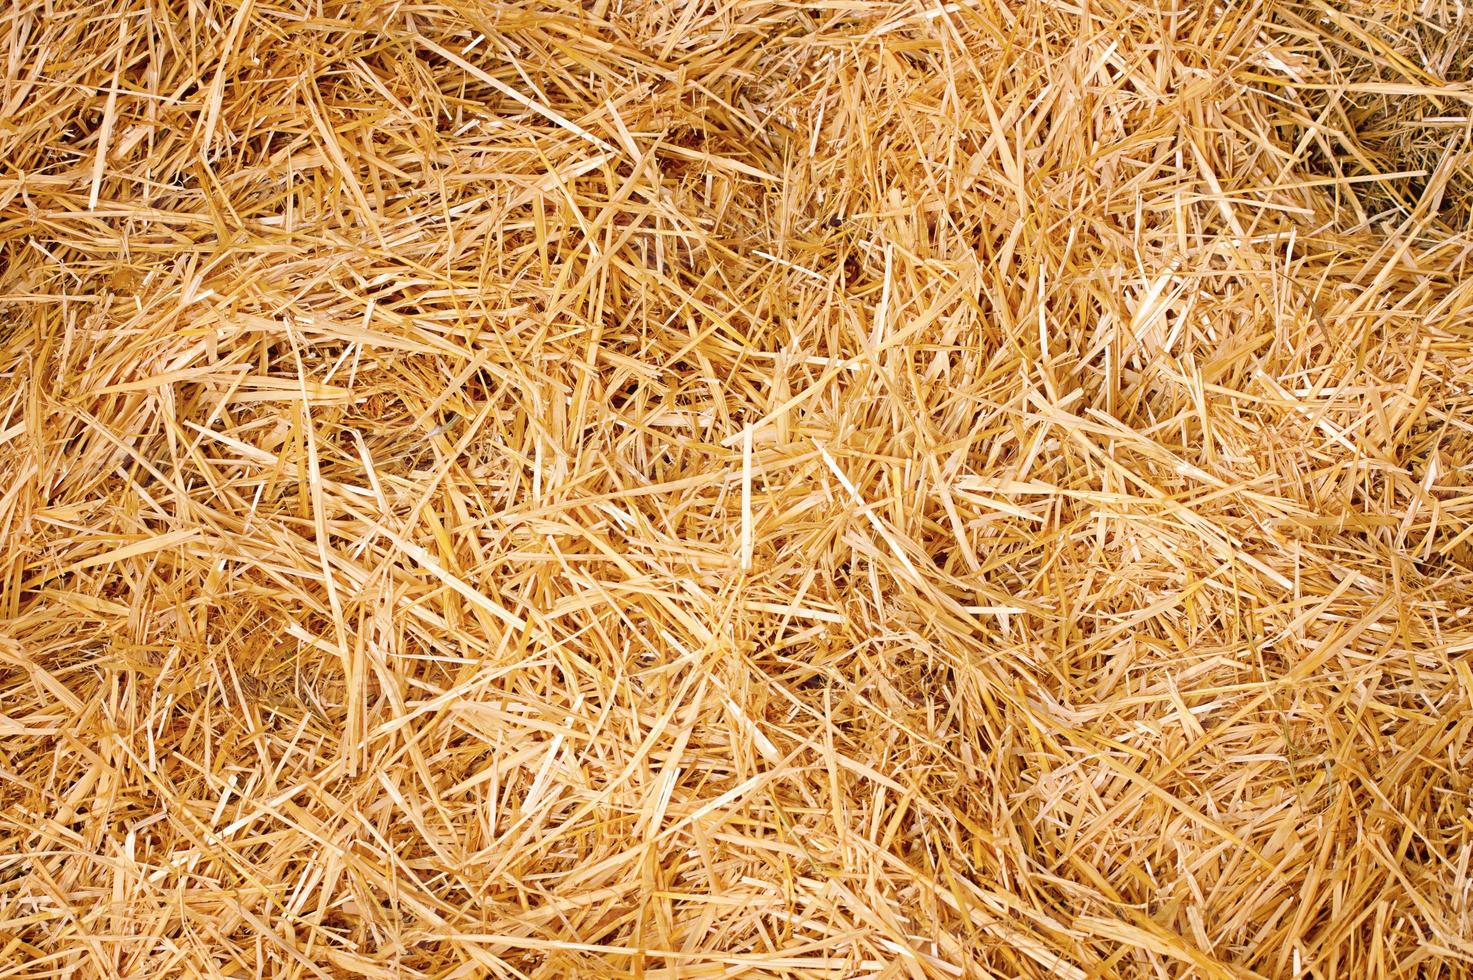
649, 489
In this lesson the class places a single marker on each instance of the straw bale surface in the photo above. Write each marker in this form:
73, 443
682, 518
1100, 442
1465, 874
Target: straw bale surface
736, 488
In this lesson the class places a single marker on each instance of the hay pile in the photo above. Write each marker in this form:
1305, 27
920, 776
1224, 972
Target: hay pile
631, 488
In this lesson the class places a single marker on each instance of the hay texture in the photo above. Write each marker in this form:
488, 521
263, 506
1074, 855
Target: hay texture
651, 489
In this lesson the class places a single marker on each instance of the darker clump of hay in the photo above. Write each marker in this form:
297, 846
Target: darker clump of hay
1389, 107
